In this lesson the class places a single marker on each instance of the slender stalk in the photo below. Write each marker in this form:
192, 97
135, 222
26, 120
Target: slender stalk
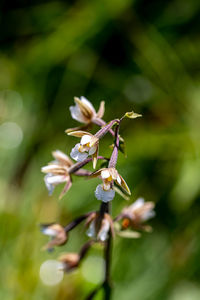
101, 122
76, 222
77, 166
107, 208
107, 255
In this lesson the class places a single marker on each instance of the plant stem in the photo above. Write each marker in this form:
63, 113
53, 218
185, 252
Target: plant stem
106, 208
76, 222
77, 166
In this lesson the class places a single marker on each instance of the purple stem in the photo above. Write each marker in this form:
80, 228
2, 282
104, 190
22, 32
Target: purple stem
101, 122
114, 156
85, 248
105, 129
76, 222
81, 164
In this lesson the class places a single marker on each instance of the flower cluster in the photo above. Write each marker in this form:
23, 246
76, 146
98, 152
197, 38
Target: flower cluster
100, 226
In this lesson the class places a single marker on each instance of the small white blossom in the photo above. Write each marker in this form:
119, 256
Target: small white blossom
99, 227
57, 172
57, 234
139, 211
88, 146
84, 112
106, 192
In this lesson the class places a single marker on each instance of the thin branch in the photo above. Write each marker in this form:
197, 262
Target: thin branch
81, 164
76, 222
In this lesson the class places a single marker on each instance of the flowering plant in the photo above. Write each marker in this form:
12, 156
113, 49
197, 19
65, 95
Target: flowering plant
100, 226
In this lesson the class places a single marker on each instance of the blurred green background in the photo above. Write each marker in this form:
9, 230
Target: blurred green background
141, 55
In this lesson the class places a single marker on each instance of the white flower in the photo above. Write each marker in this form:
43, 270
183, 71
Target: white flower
99, 226
57, 172
105, 192
88, 146
140, 211
104, 195
69, 261
84, 112
57, 234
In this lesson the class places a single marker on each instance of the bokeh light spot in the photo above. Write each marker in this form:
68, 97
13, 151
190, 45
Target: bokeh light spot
51, 273
93, 269
11, 135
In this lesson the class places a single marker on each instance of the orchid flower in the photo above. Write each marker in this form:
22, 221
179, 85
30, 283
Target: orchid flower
58, 172
105, 191
135, 215
99, 227
84, 112
69, 261
57, 234
88, 145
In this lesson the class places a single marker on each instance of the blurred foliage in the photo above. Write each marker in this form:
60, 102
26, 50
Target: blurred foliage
136, 55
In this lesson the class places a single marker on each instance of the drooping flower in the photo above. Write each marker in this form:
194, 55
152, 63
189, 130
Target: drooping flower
135, 215
140, 211
69, 261
99, 227
84, 112
58, 172
57, 234
105, 191
89, 145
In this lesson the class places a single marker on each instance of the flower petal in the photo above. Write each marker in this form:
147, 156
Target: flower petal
103, 232
51, 180
88, 103
76, 155
79, 133
101, 110
49, 231
121, 193
86, 108
97, 173
124, 185
92, 150
95, 158
105, 174
62, 157
54, 169
77, 114
86, 138
137, 204
105, 196
91, 232
66, 188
